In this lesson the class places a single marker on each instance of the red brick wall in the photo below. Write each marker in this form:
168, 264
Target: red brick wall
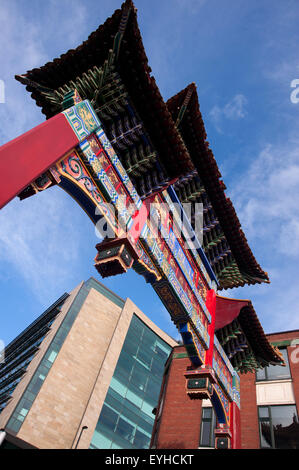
283, 336
249, 416
179, 426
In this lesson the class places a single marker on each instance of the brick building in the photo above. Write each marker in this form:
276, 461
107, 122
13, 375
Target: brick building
89, 372
269, 404
270, 399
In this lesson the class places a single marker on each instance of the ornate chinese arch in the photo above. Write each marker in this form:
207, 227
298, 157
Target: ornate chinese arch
123, 154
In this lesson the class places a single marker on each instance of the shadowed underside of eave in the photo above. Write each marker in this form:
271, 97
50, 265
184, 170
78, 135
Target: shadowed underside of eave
241, 334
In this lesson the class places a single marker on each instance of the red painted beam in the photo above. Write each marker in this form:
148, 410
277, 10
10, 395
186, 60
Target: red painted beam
139, 220
25, 158
211, 306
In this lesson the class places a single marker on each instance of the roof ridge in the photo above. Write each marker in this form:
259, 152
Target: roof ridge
213, 182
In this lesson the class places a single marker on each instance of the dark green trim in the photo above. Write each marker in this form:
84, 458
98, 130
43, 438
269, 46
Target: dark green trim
286, 342
180, 355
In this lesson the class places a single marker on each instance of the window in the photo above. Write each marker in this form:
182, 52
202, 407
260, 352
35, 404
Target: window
141, 440
109, 418
126, 420
279, 427
208, 424
125, 429
275, 372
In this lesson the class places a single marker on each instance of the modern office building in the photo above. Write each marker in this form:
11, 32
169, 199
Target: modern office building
269, 404
19, 353
89, 372
86, 374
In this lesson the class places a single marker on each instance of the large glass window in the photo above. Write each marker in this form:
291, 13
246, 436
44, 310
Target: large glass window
279, 427
208, 424
126, 419
275, 372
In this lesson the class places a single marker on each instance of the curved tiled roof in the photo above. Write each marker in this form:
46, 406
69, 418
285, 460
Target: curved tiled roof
228, 310
194, 135
132, 65
117, 46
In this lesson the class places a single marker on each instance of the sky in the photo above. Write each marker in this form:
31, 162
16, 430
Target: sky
243, 57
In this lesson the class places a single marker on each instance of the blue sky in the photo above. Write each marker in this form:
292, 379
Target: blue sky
243, 57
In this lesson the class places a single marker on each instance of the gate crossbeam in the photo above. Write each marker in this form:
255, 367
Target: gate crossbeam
86, 165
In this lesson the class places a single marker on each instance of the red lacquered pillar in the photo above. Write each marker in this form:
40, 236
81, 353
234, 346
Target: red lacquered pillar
235, 426
211, 306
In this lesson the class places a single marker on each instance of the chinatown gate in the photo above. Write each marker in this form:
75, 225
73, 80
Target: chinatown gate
131, 161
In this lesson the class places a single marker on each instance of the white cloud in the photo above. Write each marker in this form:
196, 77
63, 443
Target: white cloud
73, 26
38, 237
40, 241
233, 110
267, 197
284, 71
22, 50
27, 43
289, 238
21, 38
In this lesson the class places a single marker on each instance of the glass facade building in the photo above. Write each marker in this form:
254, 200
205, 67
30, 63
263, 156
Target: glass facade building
107, 382
20, 352
127, 418
46, 363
